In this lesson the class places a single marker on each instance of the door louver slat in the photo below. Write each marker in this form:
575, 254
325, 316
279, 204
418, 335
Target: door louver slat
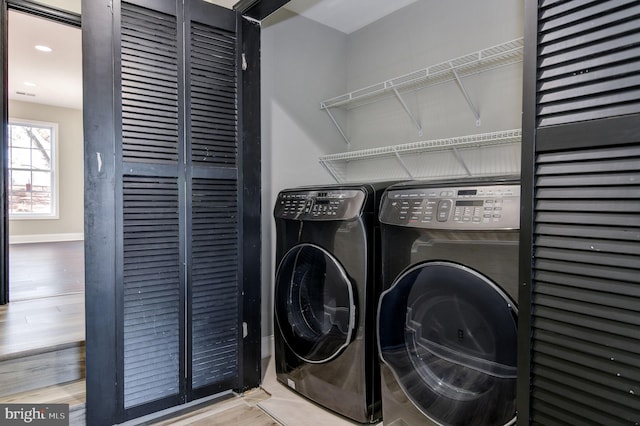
586, 305
214, 115
151, 292
589, 61
149, 70
214, 281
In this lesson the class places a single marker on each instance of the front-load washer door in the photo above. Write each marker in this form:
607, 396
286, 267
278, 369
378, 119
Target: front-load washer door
314, 303
449, 335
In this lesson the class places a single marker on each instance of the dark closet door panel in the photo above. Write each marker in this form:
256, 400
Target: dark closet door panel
214, 96
149, 84
214, 212
589, 61
152, 286
586, 297
215, 288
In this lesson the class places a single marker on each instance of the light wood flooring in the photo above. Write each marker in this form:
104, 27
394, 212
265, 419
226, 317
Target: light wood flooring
45, 269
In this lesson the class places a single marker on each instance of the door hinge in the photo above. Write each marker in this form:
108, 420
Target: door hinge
110, 6
244, 62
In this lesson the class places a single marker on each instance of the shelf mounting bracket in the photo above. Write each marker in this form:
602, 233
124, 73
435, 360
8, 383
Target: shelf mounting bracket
456, 153
408, 111
330, 170
335, 122
402, 163
466, 95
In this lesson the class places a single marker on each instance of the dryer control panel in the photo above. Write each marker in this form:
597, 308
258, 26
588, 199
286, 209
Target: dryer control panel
341, 204
477, 207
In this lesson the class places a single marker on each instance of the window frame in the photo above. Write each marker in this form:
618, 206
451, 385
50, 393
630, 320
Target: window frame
55, 178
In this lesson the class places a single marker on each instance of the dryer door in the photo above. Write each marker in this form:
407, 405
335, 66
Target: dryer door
314, 303
449, 335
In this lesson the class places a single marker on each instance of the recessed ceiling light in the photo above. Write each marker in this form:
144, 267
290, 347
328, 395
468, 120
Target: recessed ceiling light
43, 48
30, 84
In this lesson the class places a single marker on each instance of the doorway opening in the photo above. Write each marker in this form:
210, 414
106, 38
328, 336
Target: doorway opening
45, 174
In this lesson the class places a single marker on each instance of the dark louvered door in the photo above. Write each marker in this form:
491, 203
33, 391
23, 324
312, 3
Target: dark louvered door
172, 202
177, 206
152, 187
213, 256
580, 256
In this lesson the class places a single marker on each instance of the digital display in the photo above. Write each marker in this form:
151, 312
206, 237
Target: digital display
467, 192
475, 203
322, 202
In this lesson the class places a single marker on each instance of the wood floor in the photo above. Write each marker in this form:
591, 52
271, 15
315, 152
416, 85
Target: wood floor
45, 269
30, 325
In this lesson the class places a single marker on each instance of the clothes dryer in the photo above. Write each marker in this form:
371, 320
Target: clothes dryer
326, 292
447, 318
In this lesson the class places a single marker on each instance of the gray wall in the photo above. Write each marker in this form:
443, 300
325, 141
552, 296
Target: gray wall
70, 224
427, 33
304, 63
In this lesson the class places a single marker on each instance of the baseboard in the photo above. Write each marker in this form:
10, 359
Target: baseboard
267, 346
45, 238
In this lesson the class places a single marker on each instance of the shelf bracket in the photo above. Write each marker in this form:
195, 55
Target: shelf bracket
335, 122
402, 163
456, 153
406, 108
466, 95
330, 171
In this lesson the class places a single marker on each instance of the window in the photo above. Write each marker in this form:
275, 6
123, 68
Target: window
32, 172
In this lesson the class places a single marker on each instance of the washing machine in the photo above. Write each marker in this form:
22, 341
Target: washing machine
447, 316
327, 286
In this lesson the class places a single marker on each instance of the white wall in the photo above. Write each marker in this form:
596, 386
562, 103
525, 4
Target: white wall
302, 63
70, 224
427, 33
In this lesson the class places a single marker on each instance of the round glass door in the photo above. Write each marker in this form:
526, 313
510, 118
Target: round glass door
449, 335
314, 303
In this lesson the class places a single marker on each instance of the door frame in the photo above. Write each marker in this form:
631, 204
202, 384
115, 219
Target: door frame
43, 11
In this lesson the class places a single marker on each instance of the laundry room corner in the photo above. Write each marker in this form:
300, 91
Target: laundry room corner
302, 62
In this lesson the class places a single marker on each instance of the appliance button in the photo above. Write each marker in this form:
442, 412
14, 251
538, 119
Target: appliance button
427, 219
476, 220
466, 219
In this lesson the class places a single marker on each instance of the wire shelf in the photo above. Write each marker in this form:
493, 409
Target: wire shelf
473, 63
450, 157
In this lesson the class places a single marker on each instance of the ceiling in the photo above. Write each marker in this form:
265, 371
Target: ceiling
57, 75
55, 78
346, 15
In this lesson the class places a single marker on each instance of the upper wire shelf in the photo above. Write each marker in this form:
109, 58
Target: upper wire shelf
472, 63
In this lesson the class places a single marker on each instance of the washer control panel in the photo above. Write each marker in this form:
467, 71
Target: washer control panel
477, 207
320, 205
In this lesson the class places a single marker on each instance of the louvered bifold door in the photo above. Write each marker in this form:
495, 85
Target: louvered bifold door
179, 266
214, 255
581, 275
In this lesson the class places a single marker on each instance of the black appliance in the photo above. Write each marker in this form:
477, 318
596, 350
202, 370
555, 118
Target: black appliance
326, 291
447, 317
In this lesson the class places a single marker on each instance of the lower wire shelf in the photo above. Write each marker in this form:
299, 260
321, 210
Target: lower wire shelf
485, 154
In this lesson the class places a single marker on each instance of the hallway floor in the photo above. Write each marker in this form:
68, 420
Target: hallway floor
45, 269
